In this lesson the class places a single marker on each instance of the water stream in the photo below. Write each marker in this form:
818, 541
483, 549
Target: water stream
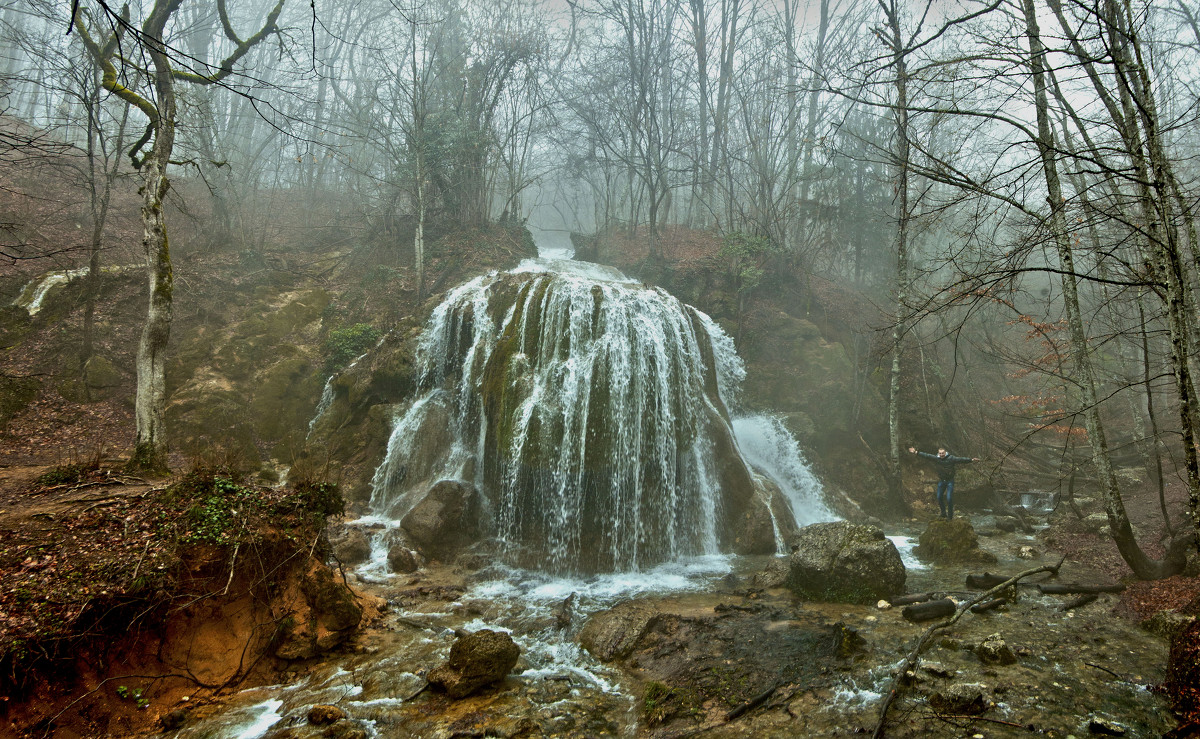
670, 376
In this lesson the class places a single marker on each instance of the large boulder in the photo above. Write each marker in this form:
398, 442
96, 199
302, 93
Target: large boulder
351, 545
767, 514
953, 541
476, 661
612, 634
446, 521
844, 562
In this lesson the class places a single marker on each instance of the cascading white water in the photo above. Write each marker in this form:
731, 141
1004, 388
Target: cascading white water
771, 449
590, 411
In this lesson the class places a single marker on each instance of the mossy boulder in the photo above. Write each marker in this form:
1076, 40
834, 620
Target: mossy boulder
446, 521
209, 412
476, 661
15, 394
954, 541
612, 634
844, 562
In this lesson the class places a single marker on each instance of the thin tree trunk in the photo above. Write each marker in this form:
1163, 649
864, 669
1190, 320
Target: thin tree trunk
1085, 376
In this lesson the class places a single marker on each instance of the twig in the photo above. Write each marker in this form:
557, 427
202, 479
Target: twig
140, 560
1105, 669
942, 716
910, 661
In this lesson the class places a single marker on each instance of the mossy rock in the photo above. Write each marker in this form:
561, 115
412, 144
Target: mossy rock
952, 541
16, 393
15, 324
209, 415
284, 396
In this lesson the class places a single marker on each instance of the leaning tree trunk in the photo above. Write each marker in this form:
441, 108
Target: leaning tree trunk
1085, 376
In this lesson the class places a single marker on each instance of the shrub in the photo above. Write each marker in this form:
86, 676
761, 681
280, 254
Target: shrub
344, 344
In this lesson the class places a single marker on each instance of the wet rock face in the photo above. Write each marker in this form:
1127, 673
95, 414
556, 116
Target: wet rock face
952, 541
701, 666
351, 546
612, 634
844, 562
476, 661
446, 521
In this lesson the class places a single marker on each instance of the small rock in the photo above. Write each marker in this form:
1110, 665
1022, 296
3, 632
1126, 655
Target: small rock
402, 559
951, 541
352, 547
175, 719
1007, 524
883, 605
323, 715
612, 634
774, 576
961, 698
849, 641
937, 669
1105, 727
1097, 523
1166, 624
1027, 552
993, 651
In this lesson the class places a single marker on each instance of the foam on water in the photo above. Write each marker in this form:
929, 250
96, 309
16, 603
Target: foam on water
266, 715
905, 545
769, 447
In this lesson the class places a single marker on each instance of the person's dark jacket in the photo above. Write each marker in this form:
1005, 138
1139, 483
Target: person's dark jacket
945, 465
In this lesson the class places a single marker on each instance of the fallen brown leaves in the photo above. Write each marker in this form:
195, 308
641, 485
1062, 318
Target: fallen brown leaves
74, 556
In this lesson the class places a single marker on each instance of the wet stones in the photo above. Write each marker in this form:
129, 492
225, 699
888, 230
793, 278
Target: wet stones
1100, 726
952, 541
476, 661
845, 563
402, 559
323, 715
994, 651
446, 521
612, 634
351, 546
969, 699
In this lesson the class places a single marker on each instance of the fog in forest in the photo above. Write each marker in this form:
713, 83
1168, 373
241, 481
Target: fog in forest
785, 249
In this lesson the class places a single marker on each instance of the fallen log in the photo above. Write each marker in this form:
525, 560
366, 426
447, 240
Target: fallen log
910, 661
908, 600
1078, 601
1074, 588
929, 611
986, 581
988, 605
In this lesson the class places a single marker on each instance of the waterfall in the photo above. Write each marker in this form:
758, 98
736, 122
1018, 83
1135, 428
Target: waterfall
591, 413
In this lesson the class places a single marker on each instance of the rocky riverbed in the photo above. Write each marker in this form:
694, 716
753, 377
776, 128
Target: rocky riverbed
697, 649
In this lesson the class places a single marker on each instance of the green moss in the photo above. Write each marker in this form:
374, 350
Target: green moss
16, 393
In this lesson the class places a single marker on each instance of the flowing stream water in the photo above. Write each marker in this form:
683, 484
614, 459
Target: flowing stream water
592, 411
507, 401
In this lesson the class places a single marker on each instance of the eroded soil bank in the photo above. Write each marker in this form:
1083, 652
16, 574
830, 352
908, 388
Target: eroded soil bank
701, 651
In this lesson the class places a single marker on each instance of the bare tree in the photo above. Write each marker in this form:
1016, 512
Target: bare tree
159, 108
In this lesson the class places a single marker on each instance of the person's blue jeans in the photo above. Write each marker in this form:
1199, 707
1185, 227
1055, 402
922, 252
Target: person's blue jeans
945, 498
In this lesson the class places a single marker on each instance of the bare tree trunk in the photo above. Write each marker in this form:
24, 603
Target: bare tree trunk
1085, 376
901, 152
